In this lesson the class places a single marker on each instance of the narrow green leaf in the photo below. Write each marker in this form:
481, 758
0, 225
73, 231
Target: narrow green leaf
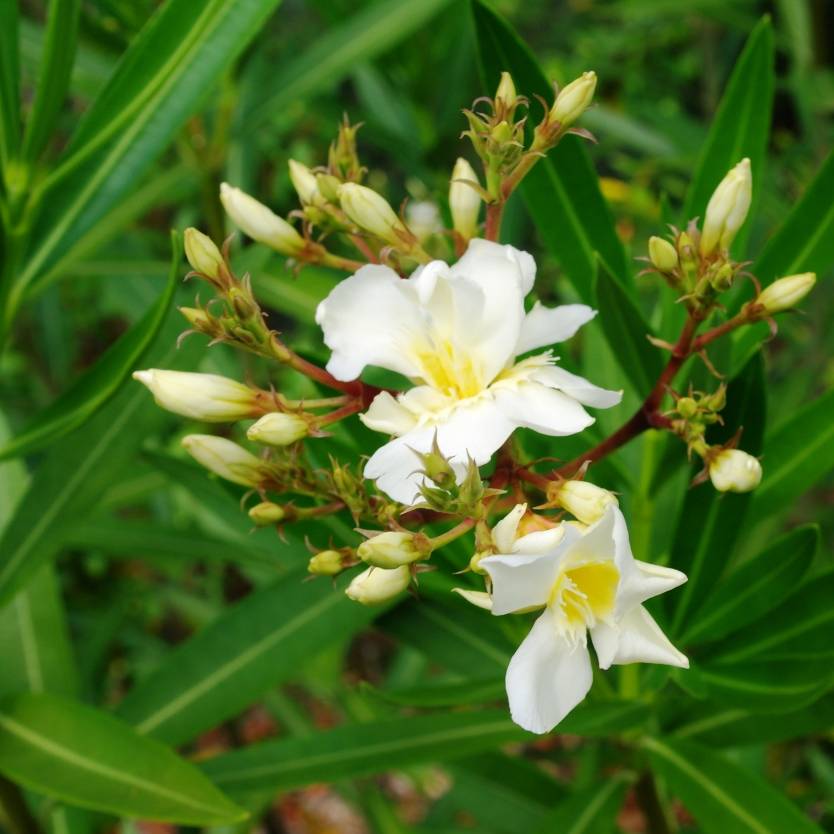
336, 53
741, 126
562, 191
452, 694
796, 456
250, 648
100, 382
589, 811
85, 756
9, 81
756, 587
54, 76
361, 749
724, 798
627, 332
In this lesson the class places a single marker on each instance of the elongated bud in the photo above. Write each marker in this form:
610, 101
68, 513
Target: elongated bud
583, 500
371, 212
209, 397
259, 222
377, 585
727, 208
278, 429
390, 550
202, 253
464, 201
226, 459
732, 470
199, 319
574, 99
267, 513
662, 254
304, 182
786, 293
326, 563
506, 93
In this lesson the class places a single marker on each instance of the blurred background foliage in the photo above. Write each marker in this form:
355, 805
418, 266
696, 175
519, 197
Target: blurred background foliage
152, 551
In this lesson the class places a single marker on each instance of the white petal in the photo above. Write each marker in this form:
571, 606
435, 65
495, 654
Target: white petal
542, 409
486, 261
395, 467
547, 677
521, 582
544, 326
543, 541
480, 598
636, 638
504, 533
388, 415
577, 387
371, 318
657, 579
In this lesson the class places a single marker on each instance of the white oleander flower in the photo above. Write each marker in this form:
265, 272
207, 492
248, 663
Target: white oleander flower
456, 331
584, 582
732, 470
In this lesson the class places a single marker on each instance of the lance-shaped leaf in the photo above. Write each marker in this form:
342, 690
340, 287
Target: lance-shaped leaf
589, 811
70, 751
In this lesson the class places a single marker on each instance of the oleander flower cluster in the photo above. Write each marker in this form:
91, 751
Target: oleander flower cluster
475, 364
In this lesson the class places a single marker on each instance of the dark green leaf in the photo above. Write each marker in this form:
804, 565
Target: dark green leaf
9, 81
589, 811
85, 756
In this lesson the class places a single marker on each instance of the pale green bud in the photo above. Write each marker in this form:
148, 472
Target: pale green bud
226, 459
202, 253
267, 513
370, 211
786, 292
727, 208
389, 550
377, 585
199, 319
464, 200
423, 219
574, 99
506, 90
583, 500
305, 184
278, 429
208, 397
259, 222
326, 563
662, 254
328, 187
687, 407
732, 470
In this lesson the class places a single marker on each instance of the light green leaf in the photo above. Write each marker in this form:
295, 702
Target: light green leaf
756, 587
85, 756
741, 126
250, 648
361, 749
100, 382
724, 798
562, 191
589, 811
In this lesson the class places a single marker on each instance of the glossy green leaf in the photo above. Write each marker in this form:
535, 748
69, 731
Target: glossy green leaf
67, 750
627, 333
54, 75
336, 53
741, 126
100, 382
360, 749
756, 587
589, 811
163, 77
9, 81
796, 456
724, 798
453, 694
562, 191
249, 649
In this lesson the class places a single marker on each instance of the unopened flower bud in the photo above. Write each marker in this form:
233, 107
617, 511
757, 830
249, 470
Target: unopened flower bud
377, 585
574, 99
278, 428
506, 93
583, 500
423, 219
732, 470
786, 292
226, 459
198, 318
267, 513
717, 400
502, 132
208, 397
687, 407
390, 550
727, 208
326, 563
371, 212
662, 254
305, 184
722, 280
202, 253
328, 187
259, 222
464, 200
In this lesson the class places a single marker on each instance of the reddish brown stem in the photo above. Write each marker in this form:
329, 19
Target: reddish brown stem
492, 228
717, 332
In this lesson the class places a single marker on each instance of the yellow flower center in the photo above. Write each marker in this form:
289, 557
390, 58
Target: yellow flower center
586, 593
450, 371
